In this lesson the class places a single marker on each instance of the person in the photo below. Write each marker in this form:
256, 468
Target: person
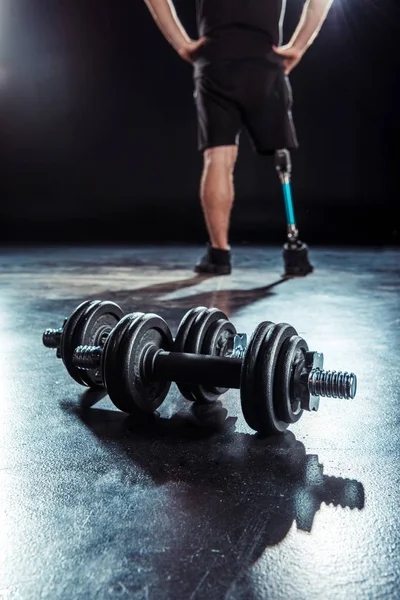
241, 81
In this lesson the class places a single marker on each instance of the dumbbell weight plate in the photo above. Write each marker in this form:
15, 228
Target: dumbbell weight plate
217, 336
258, 373
124, 361
184, 328
67, 337
96, 322
207, 334
111, 361
288, 407
180, 342
249, 386
85, 327
210, 333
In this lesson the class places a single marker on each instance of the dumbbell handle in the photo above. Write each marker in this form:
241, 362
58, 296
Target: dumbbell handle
217, 371
224, 372
52, 339
220, 371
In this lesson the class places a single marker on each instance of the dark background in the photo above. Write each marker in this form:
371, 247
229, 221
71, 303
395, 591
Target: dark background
98, 129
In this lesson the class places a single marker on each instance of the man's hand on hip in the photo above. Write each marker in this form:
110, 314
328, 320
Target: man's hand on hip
312, 18
189, 49
291, 56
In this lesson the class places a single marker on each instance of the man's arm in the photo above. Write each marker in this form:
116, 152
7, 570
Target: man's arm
165, 16
311, 20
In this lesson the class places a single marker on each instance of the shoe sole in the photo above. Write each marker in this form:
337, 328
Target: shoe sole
213, 270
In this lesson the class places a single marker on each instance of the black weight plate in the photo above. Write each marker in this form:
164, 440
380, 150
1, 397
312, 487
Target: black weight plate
267, 364
257, 387
68, 338
287, 407
184, 328
212, 335
216, 337
132, 391
111, 360
181, 339
249, 386
199, 343
97, 321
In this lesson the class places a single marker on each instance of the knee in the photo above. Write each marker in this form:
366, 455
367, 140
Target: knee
221, 157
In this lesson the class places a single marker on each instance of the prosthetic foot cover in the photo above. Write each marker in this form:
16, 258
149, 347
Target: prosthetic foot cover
295, 258
215, 262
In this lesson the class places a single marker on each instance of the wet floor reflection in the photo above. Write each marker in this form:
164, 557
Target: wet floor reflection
271, 482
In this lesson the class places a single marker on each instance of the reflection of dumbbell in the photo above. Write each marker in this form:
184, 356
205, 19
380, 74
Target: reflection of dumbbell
278, 377
203, 330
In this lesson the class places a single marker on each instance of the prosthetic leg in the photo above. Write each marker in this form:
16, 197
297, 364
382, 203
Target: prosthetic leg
295, 252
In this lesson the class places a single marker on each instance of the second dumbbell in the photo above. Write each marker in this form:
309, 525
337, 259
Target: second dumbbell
278, 377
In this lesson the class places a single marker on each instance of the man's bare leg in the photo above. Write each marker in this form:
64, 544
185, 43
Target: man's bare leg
217, 193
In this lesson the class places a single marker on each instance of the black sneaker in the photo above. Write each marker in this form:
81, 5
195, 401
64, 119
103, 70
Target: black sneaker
215, 261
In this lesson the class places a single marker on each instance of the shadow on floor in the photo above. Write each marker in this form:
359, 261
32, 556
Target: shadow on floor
152, 298
258, 486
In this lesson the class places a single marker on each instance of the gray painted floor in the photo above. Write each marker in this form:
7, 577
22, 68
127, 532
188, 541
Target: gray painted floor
94, 505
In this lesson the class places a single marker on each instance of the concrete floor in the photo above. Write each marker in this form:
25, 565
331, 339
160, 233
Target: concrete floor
198, 506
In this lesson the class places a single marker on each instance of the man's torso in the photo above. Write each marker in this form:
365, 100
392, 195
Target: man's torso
238, 29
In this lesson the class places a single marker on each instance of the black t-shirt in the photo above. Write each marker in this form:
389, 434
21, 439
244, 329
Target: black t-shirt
238, 29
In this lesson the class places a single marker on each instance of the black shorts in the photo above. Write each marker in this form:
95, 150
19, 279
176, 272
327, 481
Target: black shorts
254, 95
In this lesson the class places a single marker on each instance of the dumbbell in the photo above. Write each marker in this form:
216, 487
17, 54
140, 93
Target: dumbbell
278, 376
203, 330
